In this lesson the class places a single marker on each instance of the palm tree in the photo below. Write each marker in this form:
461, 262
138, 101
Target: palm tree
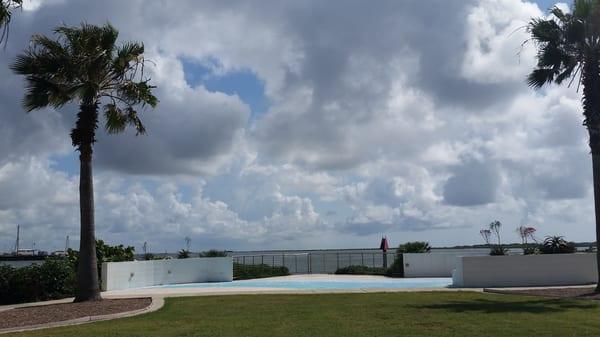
6, 8
85, 65
568, 46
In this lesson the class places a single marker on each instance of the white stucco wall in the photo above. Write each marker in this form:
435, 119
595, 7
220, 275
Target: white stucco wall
525, 270
429, 265
432, 264
135, 274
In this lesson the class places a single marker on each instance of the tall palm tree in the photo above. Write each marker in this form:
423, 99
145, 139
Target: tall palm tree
6, 8
568, 46
85, 65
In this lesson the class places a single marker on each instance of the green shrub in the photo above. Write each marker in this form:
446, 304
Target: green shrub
250, 271
414, 247
50, 280
213, 253
557, 245
361, 270
104, 253
397, 268
183, 254
497, 250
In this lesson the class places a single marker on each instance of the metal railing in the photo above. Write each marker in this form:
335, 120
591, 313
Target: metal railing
316, 263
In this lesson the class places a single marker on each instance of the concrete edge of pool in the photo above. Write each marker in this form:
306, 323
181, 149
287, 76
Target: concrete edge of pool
192, 290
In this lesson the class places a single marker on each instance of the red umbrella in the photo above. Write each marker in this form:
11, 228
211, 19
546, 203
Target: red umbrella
384, 244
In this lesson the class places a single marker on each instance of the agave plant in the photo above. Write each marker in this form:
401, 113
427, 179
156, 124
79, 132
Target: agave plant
527, 233
486, 234
556, 245
183, 254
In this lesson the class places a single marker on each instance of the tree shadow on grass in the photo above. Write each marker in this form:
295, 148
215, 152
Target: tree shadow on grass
491, 306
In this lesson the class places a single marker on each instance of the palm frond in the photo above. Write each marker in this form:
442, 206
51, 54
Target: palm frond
6, 9
540, 76
118, 119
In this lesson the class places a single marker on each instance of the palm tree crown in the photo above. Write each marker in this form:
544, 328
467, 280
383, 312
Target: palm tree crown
568, 47
84, 64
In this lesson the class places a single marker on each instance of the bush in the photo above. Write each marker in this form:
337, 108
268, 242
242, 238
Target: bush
50, 280
183, 254
104, 253
361, 270
498, 250
213, 253
557, 245
250, 271
414, 247
397, 268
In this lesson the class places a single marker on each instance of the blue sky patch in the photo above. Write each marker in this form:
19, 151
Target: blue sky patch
245, 84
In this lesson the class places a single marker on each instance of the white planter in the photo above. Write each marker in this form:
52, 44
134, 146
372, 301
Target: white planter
525, 270
136, 274
431, 264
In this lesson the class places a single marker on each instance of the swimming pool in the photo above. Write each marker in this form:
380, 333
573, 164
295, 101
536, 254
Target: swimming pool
331, 284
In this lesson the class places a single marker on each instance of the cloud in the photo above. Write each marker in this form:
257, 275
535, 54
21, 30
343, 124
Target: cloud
384, 118
473, 183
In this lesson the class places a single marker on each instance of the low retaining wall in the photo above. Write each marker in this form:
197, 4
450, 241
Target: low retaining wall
525, 270
136, 274
431, 264
428, 265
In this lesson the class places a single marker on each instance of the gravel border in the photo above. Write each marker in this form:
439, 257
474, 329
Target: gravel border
568, 292
41, 315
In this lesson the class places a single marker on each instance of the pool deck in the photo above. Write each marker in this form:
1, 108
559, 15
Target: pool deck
211, 291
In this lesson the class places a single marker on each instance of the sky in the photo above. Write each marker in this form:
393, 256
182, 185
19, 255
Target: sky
304, 125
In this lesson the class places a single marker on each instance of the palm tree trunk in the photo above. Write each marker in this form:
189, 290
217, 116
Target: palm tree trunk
596, 169
591, 111
87, 273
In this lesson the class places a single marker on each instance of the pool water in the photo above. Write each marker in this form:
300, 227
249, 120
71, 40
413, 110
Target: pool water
438, 282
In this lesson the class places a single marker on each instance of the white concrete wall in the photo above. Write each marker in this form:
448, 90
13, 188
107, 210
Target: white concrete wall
432, 264
135, 274
428, 265
525, 270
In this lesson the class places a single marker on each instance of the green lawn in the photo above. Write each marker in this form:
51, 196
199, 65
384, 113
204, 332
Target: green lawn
392, 314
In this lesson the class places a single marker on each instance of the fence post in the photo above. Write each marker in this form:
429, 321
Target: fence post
273, 263
323, 263
362, 258
373, 256
308, 262
295, 264
283, 260
338, 260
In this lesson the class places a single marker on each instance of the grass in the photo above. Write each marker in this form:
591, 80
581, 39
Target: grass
381, 314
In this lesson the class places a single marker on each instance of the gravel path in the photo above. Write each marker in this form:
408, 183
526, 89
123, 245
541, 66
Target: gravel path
42, 314
580, 293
